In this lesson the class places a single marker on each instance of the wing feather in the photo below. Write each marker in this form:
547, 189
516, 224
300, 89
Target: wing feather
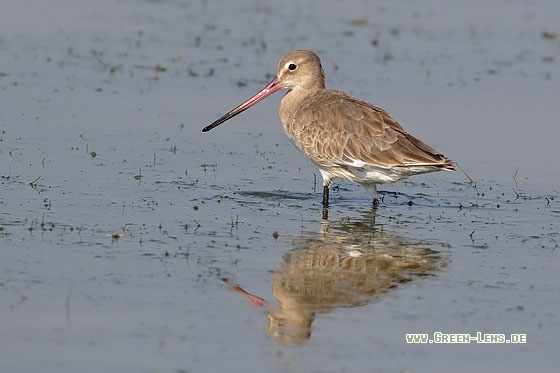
334, 128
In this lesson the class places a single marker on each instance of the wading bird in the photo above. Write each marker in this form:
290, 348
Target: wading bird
343, 136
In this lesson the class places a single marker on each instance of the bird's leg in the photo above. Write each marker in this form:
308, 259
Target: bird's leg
326, 184
372, 189
326, 195
375, 200
325, 215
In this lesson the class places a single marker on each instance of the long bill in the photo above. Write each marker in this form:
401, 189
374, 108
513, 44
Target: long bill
270, 88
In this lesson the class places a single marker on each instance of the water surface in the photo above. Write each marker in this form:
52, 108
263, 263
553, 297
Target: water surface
130, 241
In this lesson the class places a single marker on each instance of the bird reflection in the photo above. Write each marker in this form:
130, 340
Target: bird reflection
349, 263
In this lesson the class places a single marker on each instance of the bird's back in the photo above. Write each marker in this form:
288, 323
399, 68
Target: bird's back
352, 137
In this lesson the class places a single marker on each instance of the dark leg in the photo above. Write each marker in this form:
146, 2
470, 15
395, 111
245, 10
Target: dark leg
325, 215
325, 196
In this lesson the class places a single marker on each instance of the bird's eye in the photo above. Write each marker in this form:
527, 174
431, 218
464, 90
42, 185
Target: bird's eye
292, 66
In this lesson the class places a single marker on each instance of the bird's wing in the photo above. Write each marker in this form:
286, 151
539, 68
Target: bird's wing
332, 126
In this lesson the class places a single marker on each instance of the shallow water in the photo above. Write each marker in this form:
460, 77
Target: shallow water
130, 241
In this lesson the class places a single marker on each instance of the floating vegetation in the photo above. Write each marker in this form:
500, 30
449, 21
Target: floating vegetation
33, 184
360, 22
548, 35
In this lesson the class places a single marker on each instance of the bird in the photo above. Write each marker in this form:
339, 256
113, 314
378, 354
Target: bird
344, 137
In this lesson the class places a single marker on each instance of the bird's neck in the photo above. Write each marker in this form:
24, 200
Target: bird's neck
291, 102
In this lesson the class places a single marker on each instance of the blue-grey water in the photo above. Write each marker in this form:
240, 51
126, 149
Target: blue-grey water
132, 242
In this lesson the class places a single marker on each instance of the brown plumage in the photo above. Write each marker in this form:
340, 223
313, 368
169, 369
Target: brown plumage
344, 137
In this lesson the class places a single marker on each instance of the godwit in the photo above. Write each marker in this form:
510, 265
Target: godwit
344, 137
